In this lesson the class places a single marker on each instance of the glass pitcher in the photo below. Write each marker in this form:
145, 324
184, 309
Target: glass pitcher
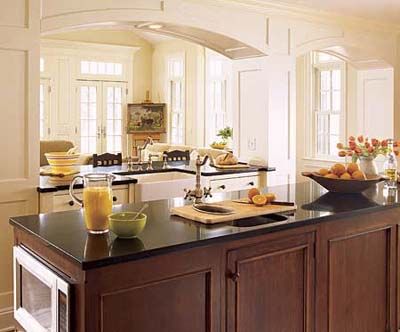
97, 200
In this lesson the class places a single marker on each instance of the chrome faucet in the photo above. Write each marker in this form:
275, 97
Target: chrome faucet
198, 193
150, 161
148, 141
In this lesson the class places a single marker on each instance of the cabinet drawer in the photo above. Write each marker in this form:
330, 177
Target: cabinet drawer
64, 202
233, 184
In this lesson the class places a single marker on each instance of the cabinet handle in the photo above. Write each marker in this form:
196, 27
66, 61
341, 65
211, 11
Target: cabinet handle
115, 198
222, 187
71, 203
251, 183
235, 276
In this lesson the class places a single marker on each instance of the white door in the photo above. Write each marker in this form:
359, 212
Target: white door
114, 117
19, 128
89, 117
101, 115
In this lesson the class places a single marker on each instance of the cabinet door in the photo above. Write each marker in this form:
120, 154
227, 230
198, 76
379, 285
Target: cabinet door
356, 289
176, 292
270, 286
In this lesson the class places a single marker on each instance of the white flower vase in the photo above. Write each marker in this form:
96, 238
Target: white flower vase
368, 166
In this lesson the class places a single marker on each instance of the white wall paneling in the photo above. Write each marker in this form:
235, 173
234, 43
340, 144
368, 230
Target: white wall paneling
250, 108
19, 104
375, 103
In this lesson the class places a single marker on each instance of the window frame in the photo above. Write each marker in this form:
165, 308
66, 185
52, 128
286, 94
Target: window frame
316, 68
181, 80
211, 113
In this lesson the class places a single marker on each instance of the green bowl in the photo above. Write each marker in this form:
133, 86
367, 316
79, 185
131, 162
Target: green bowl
123, 225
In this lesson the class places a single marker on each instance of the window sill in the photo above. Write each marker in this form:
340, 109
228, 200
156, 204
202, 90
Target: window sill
324, 160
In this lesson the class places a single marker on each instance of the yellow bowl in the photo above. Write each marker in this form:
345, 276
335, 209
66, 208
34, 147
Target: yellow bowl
61, 162
123, 225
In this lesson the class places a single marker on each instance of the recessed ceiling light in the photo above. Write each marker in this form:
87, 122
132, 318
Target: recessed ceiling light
155, 26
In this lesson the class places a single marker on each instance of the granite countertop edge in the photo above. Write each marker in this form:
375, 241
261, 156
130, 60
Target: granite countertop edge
87, 265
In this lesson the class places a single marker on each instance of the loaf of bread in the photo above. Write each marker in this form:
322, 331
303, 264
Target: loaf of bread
226, 159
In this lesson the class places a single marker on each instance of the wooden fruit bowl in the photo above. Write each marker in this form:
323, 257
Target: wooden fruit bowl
343, 186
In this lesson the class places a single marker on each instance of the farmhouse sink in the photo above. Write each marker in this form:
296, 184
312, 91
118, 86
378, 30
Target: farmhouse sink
155, 186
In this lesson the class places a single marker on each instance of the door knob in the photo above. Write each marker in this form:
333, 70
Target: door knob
222, 187
235, 276
114, 198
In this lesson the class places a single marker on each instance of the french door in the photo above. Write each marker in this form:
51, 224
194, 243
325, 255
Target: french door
101, 116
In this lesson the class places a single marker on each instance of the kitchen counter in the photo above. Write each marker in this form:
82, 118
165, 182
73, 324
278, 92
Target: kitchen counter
122, 171
65, 232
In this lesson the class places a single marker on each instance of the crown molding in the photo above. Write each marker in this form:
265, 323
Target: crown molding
301, 12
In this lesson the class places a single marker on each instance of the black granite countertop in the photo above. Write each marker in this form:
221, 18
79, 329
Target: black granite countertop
65, 231
121, 172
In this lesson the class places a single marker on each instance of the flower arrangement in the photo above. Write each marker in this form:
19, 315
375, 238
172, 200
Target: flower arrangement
364, 147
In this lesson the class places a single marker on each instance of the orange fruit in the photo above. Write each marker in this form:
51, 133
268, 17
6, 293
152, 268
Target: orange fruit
323, 171
259, 200
270, 197
331, 176
345, 176
352, 167
338, 169
252, 192
358, 175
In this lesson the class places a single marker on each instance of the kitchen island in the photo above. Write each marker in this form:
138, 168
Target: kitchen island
332, 265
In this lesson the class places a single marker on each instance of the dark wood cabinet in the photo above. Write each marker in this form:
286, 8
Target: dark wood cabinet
179, 292
356, 276
270, 286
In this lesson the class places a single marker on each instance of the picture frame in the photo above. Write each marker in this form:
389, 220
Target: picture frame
146, 118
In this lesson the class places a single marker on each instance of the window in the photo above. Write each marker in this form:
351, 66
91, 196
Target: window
217, 74
44, 101
101, 68
42, 118
176, 73
41, 65
329, 117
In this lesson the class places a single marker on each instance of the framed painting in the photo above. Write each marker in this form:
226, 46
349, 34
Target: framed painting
146, 118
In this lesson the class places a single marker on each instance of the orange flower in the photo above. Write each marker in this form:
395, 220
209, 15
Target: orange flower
342, 153
367, 145
340, 146
352, 138
357, 150
371, 149
384, 143
360, 138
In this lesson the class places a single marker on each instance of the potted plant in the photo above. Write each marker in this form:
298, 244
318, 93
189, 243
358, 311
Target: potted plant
365, 150
226, 137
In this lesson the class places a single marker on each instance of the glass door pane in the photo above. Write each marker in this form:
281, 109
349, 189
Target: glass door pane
114, 105
90, 131
36, 298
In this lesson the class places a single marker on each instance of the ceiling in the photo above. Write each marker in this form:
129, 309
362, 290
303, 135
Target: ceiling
386, 11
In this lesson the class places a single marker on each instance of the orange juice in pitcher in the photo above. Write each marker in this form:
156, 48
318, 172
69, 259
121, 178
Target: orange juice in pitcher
96, 202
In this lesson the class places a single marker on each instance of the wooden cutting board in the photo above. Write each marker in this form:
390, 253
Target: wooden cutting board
241, 211
237, 166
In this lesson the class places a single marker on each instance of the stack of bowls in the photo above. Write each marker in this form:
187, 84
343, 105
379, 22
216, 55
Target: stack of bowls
62, 162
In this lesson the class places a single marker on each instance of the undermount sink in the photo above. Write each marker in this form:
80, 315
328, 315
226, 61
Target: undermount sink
261, 220
155, 186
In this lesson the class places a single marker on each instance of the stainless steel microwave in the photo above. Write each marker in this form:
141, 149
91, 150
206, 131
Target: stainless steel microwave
41, 296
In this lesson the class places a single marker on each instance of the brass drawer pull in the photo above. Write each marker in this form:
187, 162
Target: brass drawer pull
223, 187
